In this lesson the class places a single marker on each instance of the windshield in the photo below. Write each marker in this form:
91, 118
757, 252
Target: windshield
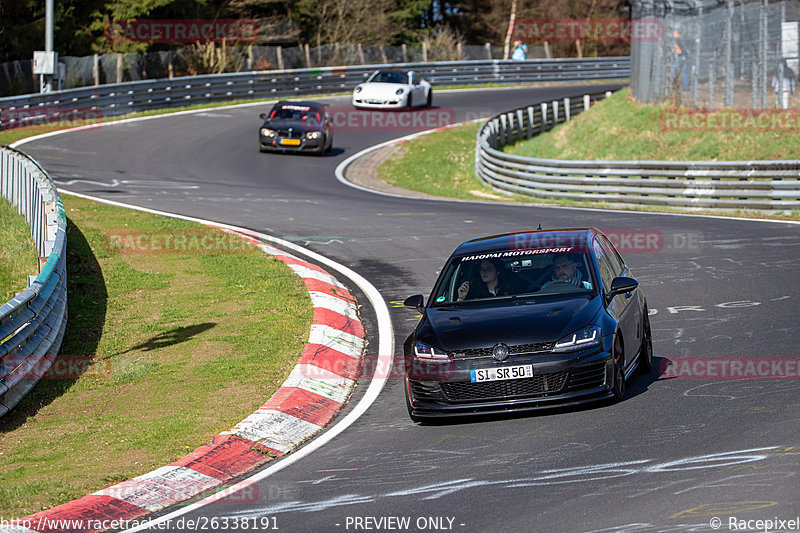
515, 274
296, 112
388, 76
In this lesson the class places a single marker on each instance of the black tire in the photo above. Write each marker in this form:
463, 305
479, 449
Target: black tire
430, 98
646, 351
618, 386
409, 101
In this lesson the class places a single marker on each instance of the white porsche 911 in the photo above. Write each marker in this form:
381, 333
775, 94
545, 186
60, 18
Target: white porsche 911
392, 89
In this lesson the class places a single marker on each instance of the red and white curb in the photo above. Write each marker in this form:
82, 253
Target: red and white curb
307, 401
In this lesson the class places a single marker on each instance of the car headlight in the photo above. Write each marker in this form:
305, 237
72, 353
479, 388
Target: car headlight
400, 91
267, 132
584, 338
428, 352
314, 134
358, 89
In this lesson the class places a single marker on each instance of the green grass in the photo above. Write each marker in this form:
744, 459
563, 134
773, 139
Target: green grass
182, 345
441, 163
619, 128
18, 257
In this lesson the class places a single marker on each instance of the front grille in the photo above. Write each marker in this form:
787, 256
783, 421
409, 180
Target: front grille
512, 388
587, 377
518, 349
294, 134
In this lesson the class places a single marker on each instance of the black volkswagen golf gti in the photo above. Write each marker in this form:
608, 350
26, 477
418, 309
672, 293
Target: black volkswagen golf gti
524, 321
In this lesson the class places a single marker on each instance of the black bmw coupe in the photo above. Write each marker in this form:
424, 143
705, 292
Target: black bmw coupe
296, 127
524, 321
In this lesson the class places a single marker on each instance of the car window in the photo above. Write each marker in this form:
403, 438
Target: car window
604, 264
614, 259
514, 274
388, 76
295, 112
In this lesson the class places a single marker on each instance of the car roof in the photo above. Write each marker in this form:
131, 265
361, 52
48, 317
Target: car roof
527, 239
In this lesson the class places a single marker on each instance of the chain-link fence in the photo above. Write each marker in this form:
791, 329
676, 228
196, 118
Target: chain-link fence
717, 53
17, 77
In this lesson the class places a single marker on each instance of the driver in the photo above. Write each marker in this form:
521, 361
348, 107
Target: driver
565, 269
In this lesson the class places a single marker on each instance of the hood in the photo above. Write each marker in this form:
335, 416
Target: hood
520, 322
381, 90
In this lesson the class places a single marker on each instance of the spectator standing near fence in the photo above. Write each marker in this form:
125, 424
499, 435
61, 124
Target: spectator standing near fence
783, 83
520, 51
680, 61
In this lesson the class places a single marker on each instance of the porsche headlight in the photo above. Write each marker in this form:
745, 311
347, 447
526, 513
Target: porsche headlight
266, 132
314, 134
358, 89
584, 338
400, 91
428, 352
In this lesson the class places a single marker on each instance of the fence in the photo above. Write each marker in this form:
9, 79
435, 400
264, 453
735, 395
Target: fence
718, 53
32, 323
118, 99
709, 185
16, 77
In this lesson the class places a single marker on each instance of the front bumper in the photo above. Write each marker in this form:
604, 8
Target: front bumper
380, 103
276, 144
558, 380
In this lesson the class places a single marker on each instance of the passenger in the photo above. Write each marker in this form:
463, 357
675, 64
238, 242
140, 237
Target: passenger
493, 283
565, 269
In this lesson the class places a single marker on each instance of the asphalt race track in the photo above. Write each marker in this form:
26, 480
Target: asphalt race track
678, 452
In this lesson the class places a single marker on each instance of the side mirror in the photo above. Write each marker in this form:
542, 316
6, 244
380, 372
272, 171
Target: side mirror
415, 303
263, 116
622, 285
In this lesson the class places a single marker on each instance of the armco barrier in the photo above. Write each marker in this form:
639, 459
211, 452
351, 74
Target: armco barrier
711, 185
118, 99
32, 323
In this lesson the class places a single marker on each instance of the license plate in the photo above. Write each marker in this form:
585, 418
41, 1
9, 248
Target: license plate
500, 373
293, 142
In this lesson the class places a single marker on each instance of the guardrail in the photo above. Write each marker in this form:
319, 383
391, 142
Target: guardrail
118, 99
712, 185
32, 323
